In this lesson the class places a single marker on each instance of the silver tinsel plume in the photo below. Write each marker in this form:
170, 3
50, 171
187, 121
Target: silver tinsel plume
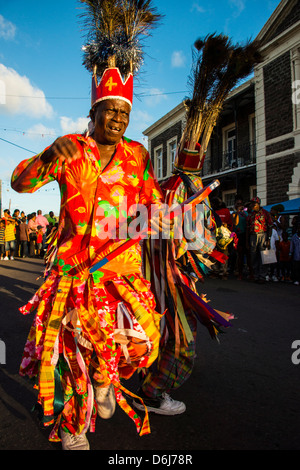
114, 32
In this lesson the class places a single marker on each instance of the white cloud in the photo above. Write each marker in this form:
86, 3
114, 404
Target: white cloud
8, 163
69, 126
178, 59
238, 5
21, 97
154, 97
40, 131
198, 8
7, 29
140, 120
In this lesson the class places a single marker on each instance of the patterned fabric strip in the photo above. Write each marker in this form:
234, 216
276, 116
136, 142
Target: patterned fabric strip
173, 290
46, 378
187, 334
148, 321
142, 428
171, 372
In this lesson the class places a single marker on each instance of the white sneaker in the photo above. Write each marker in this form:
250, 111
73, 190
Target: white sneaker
106, 401
267, 278
274, 279
166, 406
6, 258
74, 441
12, 257
296, 283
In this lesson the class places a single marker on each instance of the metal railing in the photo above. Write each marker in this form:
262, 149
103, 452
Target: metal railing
243, 155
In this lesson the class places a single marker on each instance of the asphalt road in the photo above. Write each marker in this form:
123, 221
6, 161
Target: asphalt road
243, 393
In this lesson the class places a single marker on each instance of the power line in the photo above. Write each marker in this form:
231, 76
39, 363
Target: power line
138, 95
159, 94
15, 145
6, 186
19, 131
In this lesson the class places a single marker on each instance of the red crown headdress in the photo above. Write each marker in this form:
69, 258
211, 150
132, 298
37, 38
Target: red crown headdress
112, 86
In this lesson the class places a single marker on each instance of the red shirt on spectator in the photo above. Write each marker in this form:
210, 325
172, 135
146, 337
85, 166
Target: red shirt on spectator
226, 217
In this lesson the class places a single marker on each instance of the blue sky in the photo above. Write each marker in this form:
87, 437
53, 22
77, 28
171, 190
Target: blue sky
48, 89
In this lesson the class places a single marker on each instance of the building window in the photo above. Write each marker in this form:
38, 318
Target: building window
228, 198
253, 191
158, 162
171, 149
229, 147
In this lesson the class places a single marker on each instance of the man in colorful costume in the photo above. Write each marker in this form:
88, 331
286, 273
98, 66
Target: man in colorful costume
90, 330
173, 267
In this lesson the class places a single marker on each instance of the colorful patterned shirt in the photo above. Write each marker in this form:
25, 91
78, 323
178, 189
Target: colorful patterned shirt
90, 199
259, 221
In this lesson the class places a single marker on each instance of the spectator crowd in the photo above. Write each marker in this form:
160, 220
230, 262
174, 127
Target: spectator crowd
258, 245
23, 236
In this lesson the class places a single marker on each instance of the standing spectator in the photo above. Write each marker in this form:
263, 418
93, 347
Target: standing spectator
239, 227
223, 212
39, 240
274, 267
43, 222
280, 221
274, 213
10, 238
2, 238
295, 256
24, 238
32, 229
259, 230
51, 219
284, 258
295, 222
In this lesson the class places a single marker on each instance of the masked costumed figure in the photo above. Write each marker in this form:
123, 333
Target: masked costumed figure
174, 266
90, 330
